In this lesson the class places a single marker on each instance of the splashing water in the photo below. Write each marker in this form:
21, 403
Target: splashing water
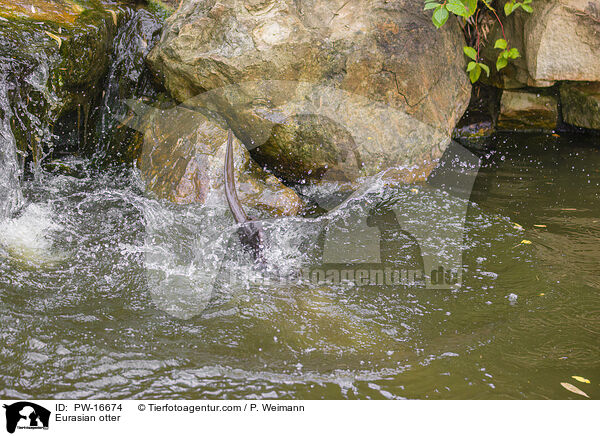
117, 316
11, 197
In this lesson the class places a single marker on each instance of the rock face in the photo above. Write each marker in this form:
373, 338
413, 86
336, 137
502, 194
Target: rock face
581, 104
527, 111
355, 86
560, 40
182, 161
563, 41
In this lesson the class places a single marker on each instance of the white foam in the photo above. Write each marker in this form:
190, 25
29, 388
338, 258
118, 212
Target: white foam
29, 236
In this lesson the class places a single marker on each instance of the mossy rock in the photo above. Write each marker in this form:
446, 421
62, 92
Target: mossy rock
54, 54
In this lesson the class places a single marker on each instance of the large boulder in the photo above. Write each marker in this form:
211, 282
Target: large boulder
563, 40
321, 87
560, 40
182, 160
580, 104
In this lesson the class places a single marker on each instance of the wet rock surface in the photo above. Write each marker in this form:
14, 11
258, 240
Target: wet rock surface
182, 160
384, 55
53, 56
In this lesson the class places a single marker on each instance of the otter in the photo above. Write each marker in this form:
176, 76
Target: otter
250, 232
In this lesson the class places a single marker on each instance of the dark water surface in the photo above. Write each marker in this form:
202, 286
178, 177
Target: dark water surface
106, 293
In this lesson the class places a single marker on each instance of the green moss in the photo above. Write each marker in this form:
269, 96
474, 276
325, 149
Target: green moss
160, 8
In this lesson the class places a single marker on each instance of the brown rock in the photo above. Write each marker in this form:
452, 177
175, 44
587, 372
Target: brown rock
182, 161
527, 111
580, 104
380, 56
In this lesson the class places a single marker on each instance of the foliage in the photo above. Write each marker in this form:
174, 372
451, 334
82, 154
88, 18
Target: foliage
470, 14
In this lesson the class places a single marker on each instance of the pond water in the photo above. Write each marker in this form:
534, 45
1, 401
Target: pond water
108, 293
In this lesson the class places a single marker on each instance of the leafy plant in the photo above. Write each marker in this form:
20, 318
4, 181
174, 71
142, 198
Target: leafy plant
468, 12
474, 68
505, 54
512, 6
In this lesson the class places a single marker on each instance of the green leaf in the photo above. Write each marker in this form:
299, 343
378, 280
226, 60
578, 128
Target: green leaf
440, 16
475, 73
457, 7
471, 6
513, 53
470, 52
431, 5
527, 8
485, 68
501, 43
471, 66
501, 62
509, 8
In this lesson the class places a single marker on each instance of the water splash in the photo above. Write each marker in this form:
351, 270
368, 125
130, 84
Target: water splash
128, 77
11, 196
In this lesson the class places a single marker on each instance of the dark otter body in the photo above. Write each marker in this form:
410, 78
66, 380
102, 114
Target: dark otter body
250, 232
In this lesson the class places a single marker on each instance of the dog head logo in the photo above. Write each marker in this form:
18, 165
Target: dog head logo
26, 415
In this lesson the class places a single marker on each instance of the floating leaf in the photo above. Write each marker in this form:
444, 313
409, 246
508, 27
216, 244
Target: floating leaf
526, 241
517, 226
54, 37
541, 226
580, 379
575, 390
542, 294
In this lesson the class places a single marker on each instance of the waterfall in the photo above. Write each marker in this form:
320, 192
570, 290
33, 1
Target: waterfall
11, 197
128, 78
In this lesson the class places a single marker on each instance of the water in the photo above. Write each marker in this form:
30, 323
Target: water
23, 70
128, 78
108, 293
